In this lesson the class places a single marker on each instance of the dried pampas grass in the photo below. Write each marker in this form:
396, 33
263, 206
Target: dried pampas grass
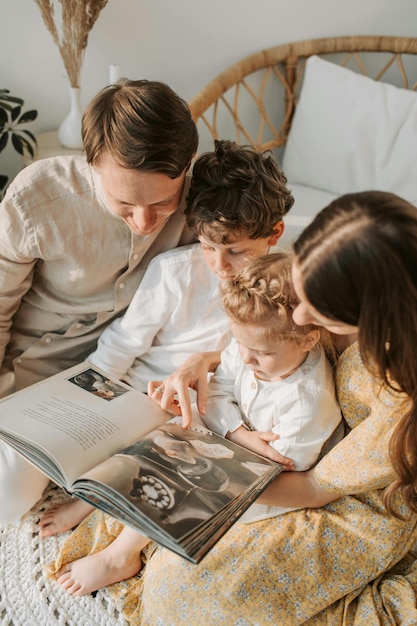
77, 19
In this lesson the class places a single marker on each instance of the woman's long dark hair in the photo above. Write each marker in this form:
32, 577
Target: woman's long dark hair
358, 262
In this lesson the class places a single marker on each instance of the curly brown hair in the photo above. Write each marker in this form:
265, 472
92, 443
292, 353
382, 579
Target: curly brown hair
236, 189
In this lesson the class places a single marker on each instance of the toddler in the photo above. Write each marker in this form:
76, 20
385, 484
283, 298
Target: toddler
273, 390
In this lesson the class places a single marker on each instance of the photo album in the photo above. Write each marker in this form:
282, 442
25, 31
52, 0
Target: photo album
112, 446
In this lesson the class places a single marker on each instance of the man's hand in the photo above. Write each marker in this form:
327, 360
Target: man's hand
259, 442
173, 394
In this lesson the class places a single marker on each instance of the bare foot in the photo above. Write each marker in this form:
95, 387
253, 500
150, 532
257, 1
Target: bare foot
98, 570
63, 517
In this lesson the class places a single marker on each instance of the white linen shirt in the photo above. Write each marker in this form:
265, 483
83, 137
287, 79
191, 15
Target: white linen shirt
68, 266
175, 313
302, 409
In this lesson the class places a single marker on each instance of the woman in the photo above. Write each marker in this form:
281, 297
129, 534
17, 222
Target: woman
346, 556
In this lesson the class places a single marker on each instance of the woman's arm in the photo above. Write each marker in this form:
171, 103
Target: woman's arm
298, 490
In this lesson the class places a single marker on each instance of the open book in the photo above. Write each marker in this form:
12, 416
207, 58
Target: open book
112, 446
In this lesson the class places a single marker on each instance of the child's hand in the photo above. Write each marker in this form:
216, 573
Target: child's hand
259, 442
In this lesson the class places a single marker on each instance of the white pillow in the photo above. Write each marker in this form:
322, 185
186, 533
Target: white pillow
351, 133
307, 203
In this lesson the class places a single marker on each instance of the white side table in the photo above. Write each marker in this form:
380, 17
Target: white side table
48, 146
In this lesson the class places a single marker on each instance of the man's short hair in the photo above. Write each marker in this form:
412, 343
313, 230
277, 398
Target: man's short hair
143, 125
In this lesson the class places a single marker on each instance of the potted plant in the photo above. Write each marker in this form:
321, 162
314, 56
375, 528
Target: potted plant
11, 118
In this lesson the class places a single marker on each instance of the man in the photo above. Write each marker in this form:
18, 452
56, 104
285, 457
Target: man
76, 235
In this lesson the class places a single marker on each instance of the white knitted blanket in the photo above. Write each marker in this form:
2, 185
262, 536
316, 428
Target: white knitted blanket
27, 596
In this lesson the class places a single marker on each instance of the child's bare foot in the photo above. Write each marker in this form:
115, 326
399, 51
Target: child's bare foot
63, 517
98, 570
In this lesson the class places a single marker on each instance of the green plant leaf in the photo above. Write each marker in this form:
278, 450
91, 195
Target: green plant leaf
25, 144
10, 117
13, 99
3, 140
18, 143
28, 116
30, 135
3, 181
15, 113
5, 106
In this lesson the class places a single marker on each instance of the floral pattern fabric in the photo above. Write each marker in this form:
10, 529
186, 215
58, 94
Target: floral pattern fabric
346, 564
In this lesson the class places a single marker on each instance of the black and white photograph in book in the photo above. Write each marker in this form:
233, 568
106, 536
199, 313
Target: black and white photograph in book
179, 477
96, 383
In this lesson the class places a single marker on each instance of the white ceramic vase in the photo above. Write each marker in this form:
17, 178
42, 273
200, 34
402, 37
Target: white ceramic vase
69, 132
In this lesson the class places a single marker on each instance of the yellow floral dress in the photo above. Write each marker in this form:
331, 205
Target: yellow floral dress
348, 563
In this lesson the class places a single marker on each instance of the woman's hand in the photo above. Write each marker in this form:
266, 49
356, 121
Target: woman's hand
173, 394
297, 490
259, 442
156, 390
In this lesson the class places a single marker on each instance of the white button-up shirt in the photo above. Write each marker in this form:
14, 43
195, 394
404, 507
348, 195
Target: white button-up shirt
175, 313
302, 409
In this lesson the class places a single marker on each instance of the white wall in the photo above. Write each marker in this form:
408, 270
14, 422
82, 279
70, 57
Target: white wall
182, 42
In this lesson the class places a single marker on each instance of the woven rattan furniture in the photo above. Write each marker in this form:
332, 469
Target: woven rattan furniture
254, 101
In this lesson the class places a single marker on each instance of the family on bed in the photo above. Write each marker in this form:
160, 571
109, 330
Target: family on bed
159, 272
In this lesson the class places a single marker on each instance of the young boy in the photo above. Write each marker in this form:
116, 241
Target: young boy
235, 206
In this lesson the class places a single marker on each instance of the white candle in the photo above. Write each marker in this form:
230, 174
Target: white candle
114, 73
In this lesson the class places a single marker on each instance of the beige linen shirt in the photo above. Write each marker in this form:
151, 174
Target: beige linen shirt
68, 267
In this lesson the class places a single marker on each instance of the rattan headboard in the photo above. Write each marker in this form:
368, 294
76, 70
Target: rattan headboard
253, 101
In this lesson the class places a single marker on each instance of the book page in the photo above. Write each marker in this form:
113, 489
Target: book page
78, 418
179, 487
